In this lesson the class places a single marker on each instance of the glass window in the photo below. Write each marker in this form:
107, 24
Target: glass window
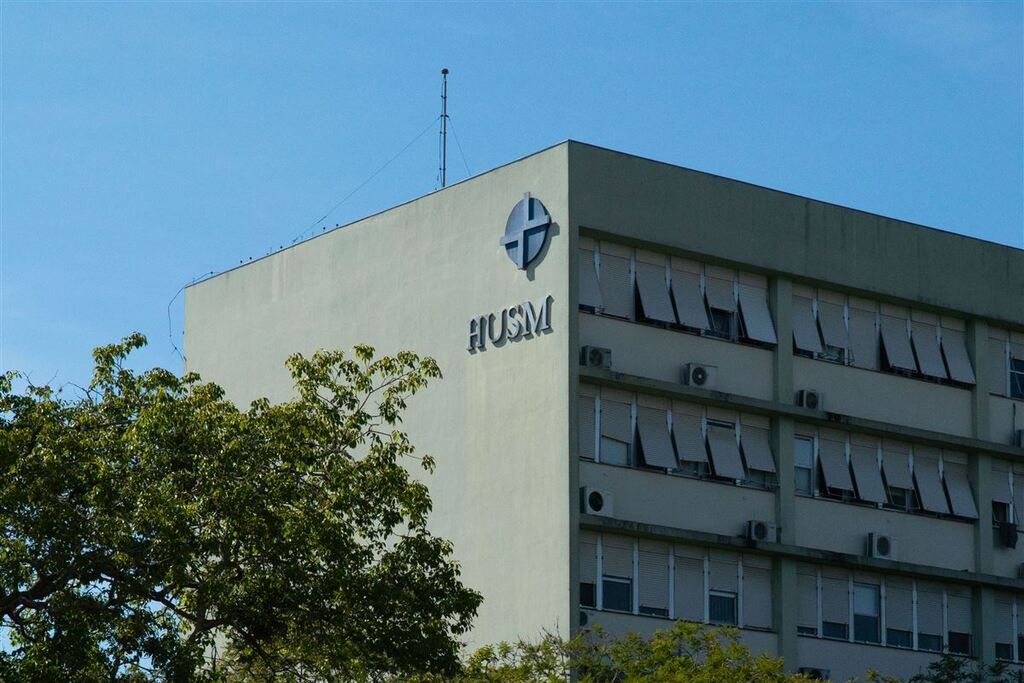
654, 611
929, 642
903, 499
1000, 511
959, 643
614, 452
1004, 651
807, 630
834, 629
723, 323
618, 594
588, 595
722, 607
866, 613
803, 460
897, 638
1017, 378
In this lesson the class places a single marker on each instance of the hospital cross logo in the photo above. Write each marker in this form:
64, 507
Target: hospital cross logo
525, 231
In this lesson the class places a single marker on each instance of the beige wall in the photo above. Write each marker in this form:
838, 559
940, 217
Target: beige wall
653, 352
847, 660
680, 502
411, 278
884, 397
836, 526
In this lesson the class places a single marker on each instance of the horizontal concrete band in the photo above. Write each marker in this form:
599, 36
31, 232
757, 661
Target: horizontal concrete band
625, 240
720, 399
800, 553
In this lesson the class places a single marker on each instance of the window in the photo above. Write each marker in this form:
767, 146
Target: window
617, 593
807, 630
866, 613
903, 499
959, 643
803, 459
1017, 378
1000, 512
722, 607
1004, 651
722, 323
834, 629
929, 642
895, 637
588, 595
721, 302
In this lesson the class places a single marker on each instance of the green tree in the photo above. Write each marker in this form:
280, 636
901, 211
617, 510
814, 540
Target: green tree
152, 530
685, 652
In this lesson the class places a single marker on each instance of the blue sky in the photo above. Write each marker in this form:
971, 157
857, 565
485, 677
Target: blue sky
144, 144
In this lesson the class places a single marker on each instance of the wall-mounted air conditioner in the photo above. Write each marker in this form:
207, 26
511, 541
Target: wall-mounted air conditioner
881, 546
697, 375
595, 502
809, 398
761, 531
596, 357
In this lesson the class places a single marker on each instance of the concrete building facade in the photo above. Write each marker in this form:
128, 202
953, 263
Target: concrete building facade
671, 395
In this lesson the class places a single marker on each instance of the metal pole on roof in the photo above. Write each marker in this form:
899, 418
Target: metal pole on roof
444, 125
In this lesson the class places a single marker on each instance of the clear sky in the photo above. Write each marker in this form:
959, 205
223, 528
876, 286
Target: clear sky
144, 144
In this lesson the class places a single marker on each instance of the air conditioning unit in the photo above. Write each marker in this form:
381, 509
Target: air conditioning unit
881, 546
1018, 438
1006, 533
594, 502
762, 532
596, 357
815, 674
808, 398
696, 375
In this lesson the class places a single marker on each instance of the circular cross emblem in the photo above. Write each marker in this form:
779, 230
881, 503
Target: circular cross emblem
525, 231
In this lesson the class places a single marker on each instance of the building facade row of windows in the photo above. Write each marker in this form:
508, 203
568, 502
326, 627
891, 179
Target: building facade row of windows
673, 581
636, 284
893, 611
674, 292
882, 472
866, 334
629, 430
626, 429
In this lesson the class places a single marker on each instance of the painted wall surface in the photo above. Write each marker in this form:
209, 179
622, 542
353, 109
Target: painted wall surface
848, 660
778, 232
886, 398
841, 527
648, 351
411, 278
618, 624
680, 502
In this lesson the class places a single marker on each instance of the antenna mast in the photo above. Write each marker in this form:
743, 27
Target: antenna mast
444, 125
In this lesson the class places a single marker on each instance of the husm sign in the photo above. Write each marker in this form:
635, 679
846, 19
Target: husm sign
526, 232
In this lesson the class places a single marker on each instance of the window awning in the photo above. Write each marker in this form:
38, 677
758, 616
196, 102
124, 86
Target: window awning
897, 343
865, 471
587, 438
652, 423
929, 356
689, 437
720, 294
756, 449
756, 318
725, 453
590, 292
954, 344
863, 339
805, 330
615, 420
896, 467
650, 281
832, 455
833, 326
689, 302
959, 489
1001, 486
929, 486
616, 290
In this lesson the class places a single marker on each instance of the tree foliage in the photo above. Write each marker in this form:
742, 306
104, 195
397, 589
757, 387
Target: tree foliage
153, 530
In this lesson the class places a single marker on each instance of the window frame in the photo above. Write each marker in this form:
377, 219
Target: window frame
877, 616
734, 597
811, 490
1016, 378
622, 581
